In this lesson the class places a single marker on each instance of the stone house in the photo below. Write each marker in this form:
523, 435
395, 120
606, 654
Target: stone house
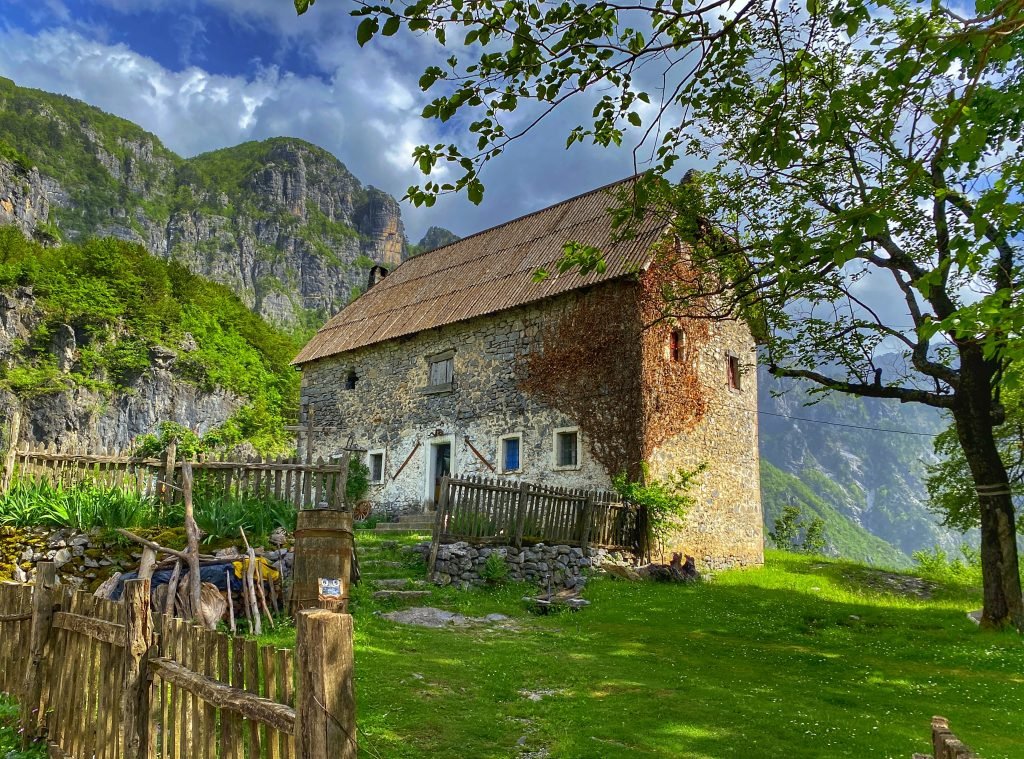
460, 361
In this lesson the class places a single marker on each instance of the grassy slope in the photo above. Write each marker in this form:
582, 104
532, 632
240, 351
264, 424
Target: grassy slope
800, 658
849, 539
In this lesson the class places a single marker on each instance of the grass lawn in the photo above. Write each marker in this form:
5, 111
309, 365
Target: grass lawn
800, 658
803, 658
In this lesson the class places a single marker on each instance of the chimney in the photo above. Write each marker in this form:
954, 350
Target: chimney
373, 275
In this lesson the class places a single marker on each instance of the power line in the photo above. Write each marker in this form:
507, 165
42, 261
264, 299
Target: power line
851, 426
831, 424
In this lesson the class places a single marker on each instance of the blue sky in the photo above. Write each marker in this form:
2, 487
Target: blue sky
205, 74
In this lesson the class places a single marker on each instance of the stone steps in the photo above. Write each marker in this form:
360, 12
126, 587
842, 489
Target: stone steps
420, 526
403, 595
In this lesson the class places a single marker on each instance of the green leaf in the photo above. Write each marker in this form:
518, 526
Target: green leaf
366, 29
391, 26
301, 6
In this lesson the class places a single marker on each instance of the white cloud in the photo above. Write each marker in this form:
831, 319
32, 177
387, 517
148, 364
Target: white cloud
365, 108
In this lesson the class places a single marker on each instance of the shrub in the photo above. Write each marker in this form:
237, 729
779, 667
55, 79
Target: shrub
358, 483
936, 565
495, 569
786, 530
666, 501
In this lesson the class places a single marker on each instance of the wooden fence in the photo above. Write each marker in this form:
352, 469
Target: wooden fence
303, 484
109, 680
482, 510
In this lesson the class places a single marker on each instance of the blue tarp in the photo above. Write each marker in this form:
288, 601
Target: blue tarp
215, 574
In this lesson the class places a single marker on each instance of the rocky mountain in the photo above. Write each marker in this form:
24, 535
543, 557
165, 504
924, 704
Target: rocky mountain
867, 484
281, 222
436, 237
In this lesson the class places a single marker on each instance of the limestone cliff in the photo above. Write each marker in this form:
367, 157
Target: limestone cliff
79, 417
282, 222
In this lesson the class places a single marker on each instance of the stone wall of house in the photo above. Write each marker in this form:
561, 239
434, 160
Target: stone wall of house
725, 527
389, 410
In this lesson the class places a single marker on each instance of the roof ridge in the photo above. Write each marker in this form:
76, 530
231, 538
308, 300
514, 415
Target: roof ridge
381, 287
526, 215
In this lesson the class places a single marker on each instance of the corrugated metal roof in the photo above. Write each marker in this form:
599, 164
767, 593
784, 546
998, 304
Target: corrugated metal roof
485, 273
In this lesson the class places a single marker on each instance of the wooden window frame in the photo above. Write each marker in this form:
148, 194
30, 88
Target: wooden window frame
554, 449
383, 464
733, 372
442, 387
501, 453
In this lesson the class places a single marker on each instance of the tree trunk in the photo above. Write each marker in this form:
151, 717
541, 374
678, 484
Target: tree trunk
973, 414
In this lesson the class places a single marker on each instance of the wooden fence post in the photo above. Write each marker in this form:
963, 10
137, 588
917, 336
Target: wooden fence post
135, 696
442, 507
9, 448
588, 518
43, 597
169, 463
325, 705
521, 508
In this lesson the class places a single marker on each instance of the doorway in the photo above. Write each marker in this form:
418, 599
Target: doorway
440, 467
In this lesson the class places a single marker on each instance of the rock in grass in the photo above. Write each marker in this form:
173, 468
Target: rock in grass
402, 595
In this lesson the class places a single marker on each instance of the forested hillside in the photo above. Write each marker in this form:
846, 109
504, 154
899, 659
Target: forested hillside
101, 341
857, 466
282, 222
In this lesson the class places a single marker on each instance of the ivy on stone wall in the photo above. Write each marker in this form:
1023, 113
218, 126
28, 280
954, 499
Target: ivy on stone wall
603, 362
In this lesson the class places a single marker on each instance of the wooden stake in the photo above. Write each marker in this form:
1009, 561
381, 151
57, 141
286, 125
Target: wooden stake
172, 589
231, 601
43, 598
10, 450
135, 695
250, 592
192, 533
147, 564
325, 704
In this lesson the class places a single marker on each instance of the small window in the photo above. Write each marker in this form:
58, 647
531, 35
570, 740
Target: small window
567, 449
351, 380
510, 452
376, 466
676, 348
442, 371
733, 371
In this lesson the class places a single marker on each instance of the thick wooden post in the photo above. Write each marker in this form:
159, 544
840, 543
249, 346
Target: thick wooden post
521, 507
135, 696
169, 464
325, 705
339, 500
9, 450
44, 596
442, 507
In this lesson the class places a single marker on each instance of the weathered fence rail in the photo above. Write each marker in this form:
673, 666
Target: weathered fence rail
304, 484
484, 510
105, 680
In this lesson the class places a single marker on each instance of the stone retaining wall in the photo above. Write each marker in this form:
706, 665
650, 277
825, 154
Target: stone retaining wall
463, 564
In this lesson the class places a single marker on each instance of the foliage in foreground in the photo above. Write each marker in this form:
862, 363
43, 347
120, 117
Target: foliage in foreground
121, 302
85, 507
10, 736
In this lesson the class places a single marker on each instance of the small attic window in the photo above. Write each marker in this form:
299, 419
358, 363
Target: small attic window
351, 379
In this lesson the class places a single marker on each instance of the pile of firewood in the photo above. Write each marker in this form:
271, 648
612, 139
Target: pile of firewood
194, 599
676, 570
